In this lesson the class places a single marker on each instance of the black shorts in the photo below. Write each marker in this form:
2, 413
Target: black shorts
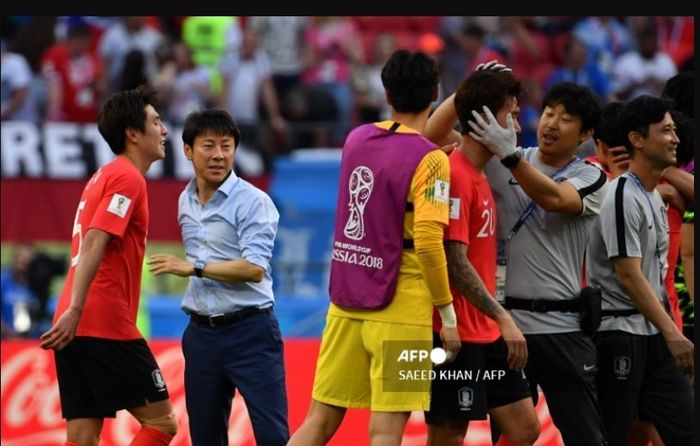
638, 376
564, 366
477, 380
97, 377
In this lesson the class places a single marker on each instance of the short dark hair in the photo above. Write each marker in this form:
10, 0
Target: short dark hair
638, 114
124, 109
213, 120
681, 88
577, 100
607, 129
411, 80
484, 87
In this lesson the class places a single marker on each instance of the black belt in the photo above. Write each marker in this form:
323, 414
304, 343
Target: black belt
542, 305
619, 313
219, 320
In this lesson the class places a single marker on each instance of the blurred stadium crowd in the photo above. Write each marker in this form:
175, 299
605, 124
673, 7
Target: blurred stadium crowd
294, 82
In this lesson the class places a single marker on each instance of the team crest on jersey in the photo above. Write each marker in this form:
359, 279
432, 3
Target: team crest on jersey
158, 380
454, 208
623, 366
465, 398
119, 205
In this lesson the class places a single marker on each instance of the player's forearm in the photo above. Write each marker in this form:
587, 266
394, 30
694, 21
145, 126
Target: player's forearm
440, 126
464, 277
683, 181
545, 192
432, 260
91, 253
630, 276
239, 270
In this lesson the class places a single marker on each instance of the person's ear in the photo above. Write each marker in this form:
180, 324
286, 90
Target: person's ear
636, 139
585, 135
131, 134
188, 152
388, 99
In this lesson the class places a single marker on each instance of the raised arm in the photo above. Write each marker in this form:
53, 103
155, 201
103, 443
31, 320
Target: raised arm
440, 126
550, 195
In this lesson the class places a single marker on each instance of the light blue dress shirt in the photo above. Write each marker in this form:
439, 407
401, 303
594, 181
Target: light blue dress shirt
238, 222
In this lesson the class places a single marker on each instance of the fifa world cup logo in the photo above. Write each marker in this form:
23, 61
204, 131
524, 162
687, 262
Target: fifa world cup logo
360, 186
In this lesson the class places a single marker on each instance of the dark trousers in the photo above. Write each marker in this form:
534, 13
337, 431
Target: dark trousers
638, 376
246, 356
564, 365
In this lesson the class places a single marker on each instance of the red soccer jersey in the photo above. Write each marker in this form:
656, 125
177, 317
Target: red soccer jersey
115, 201
473, 222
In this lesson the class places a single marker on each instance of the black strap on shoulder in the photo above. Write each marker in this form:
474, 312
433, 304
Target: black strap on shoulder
600, 182
394, 126
409, 206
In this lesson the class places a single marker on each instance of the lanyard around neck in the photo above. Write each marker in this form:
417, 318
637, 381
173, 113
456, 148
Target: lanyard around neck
531, 207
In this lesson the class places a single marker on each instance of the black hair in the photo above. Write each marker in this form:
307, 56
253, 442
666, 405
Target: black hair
133, 73
577, 100
484, 87
216, 121
607, 130
685, 130
638, 114
681, 89
124, 109
411, 80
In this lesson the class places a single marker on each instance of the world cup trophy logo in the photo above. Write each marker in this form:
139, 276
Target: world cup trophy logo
360, 187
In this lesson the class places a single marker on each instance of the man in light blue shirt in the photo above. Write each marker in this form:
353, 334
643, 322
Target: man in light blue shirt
233, 339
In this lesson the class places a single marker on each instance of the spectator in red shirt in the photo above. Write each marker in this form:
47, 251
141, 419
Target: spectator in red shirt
74, 77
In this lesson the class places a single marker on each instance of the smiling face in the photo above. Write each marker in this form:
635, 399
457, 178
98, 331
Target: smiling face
559, 132
659, 146
212, 157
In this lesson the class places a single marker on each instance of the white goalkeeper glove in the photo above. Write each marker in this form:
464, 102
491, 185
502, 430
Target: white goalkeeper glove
501, 141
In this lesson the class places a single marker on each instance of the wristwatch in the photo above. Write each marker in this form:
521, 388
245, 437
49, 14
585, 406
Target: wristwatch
199, 267
512, 160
